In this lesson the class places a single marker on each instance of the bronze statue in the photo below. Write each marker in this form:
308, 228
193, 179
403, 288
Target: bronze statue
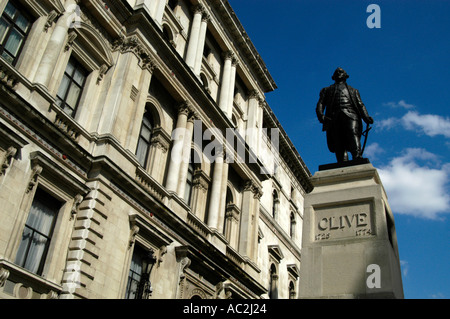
342, 119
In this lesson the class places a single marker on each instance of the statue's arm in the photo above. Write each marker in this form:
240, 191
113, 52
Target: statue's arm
364, 114
320, 106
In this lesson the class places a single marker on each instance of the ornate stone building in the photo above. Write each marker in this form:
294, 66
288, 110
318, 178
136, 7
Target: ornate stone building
138, 156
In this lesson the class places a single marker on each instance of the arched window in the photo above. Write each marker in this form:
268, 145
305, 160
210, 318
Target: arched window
189, 181
145, 136
273, 282
292, 293
228, 214
292, 225
194, 161
275, 201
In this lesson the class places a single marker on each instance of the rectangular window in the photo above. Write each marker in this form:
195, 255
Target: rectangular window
14, 28
38, 231
135, 274
71, 86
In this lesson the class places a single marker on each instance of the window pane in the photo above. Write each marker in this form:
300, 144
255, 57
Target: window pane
36, 252
13, 42
10, 10
79, 77
7, 57
146, 121
37, 231
42, 213
134, 276
68, 110
22, 23
3, 29
72, 96
64, 86
146, 133
141, 152
70, 67
22, 252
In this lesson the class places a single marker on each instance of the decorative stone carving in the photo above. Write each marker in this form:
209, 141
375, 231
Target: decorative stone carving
134, 44
72, 36
76, 205
184, 265
52, 16
10, 153
133, 232
37, 170
101, 73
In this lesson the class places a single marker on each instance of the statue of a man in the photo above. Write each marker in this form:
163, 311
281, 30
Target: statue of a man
342, 119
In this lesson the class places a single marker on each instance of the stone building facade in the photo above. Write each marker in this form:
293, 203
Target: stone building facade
138, 156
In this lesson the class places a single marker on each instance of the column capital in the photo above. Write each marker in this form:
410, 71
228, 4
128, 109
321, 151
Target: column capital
198, 9
185, 108
254, 94
228, 55
251, 186
192, 116
205, 17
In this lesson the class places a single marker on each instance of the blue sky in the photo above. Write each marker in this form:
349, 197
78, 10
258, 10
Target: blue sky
402, 73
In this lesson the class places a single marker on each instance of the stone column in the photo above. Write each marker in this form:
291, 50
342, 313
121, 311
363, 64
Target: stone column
231, 231
177, 148
55, 46
214, 206
194, 36
223, 197
160, 144
115, 106
249, 219
246, 215
252, 120
201, 44
186, 155
225, 83
199, 193
230, 99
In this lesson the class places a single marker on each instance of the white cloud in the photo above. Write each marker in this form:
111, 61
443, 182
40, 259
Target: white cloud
373, 150
388, 123
430, 124
414, 189
400, 104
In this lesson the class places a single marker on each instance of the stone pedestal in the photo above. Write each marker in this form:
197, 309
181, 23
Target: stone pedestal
349, 247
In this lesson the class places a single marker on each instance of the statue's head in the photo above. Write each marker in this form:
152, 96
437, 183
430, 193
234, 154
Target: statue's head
340, 75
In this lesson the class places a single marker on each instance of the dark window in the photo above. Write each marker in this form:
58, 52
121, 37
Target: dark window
135, 274
14, 27
138, 285
292, 226
145, 136
71, 86
38, 232
275, 201
189, 181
